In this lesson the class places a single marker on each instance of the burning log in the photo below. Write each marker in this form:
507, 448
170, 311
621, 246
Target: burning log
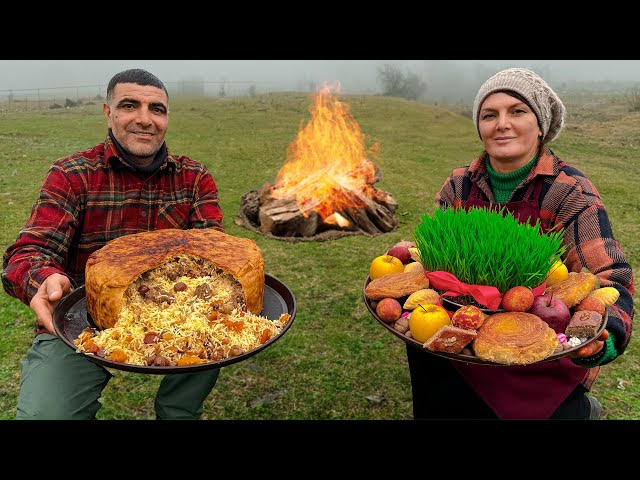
282, 217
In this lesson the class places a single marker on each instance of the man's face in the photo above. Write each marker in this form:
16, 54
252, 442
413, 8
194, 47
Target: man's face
138, 116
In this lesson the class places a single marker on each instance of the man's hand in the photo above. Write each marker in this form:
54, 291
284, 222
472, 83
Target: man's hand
592, 348
45, 300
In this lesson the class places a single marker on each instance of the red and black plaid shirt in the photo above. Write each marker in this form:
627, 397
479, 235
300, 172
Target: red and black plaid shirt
91, 197
568, 200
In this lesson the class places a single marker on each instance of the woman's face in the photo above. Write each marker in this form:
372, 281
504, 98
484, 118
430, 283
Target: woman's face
509, 130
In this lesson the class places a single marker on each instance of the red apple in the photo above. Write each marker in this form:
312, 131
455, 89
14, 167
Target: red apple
389, 310
552, 310
402, 253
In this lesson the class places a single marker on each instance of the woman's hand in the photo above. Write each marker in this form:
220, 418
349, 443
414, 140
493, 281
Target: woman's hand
45, 300
592, 348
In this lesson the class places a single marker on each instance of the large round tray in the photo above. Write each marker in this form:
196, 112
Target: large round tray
71, 317
462, 357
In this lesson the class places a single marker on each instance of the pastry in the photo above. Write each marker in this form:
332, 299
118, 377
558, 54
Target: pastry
450, 339
396, 285
584, 324
575, 288
514, 338
237, 263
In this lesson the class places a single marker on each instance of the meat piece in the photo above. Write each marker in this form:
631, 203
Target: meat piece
164, 296
236, 350
180, 287
143, 289
203, 291
151, 337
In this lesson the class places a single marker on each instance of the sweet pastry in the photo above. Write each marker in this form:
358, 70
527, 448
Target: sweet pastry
122, 271
575, 288
514, 338
450, 339
584, 324
396, 285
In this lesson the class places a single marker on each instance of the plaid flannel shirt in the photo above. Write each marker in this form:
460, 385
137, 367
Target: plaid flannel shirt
91, 197
568, 200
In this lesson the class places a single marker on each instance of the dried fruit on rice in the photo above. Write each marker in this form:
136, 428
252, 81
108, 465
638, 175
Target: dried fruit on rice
176, 297
184, 312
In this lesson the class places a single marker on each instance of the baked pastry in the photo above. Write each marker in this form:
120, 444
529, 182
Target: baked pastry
584, 324
396, 285
114, 275
450, 339
575, 288
514, 338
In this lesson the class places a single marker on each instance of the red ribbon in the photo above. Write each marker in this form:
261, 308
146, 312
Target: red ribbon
483, 294
539, 290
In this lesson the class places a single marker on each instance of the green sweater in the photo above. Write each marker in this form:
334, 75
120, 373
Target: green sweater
503, 184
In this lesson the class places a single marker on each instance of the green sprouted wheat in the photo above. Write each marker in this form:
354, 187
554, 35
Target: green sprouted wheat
484, 247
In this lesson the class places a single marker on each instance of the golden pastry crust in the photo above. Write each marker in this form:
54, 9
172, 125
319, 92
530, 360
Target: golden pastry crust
115, 266
575, 288
514, 338
396, 285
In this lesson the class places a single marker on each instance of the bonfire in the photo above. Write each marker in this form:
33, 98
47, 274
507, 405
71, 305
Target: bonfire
325, 187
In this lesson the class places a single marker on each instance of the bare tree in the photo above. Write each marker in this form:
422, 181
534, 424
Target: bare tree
395, 83
633, 99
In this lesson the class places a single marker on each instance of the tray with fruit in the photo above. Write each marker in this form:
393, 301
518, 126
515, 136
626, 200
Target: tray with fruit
480, 287
449, 329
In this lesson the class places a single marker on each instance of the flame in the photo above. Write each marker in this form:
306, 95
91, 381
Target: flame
326, 168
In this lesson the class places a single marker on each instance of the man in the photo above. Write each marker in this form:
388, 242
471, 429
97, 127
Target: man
128, 184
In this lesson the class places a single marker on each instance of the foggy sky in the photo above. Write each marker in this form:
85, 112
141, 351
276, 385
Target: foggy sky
355, 76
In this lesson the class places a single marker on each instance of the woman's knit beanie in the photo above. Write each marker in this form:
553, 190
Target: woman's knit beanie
541, 98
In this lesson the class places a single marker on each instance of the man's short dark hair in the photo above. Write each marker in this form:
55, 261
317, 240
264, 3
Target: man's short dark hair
137, 76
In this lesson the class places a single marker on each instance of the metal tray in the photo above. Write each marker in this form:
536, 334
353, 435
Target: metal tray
71, 317
469, 358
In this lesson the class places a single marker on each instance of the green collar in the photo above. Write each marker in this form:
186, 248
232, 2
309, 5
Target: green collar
503, 184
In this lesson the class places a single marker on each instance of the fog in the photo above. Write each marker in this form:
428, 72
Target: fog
450, 80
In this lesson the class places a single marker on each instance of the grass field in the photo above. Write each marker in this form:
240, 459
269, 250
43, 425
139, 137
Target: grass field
335, 362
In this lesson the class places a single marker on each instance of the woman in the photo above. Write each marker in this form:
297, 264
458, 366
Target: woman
517, 114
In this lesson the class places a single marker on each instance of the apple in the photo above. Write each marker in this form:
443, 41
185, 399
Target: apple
552, 310
518, 299
401, 253
385, 265
389, 310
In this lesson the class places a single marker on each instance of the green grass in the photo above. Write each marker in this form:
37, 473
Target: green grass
335, 362
491, 248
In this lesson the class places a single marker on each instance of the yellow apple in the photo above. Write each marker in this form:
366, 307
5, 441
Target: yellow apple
385, 265
426, 320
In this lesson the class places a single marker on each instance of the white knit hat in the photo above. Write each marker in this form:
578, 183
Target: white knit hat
541, 98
